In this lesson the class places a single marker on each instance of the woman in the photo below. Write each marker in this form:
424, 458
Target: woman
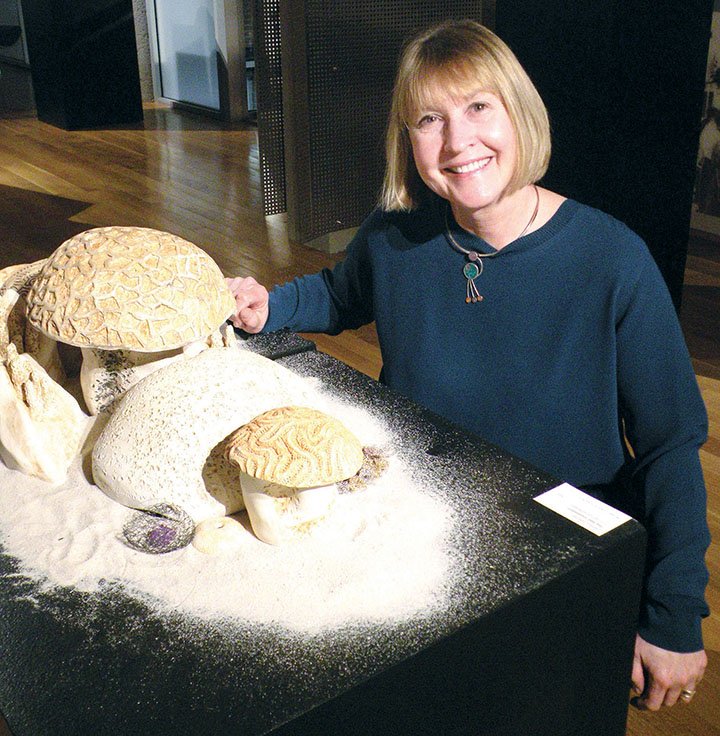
524, 317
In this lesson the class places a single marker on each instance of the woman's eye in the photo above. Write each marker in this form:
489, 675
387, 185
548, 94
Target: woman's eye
429, 123
478, 106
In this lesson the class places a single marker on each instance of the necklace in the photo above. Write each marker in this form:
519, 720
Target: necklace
474, 267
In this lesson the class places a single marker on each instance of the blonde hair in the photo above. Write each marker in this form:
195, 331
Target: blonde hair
458, 57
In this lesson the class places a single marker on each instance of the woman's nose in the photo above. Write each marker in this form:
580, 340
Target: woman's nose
459, 135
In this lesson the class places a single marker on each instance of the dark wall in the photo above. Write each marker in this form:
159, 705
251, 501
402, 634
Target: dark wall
623, 82
83, 61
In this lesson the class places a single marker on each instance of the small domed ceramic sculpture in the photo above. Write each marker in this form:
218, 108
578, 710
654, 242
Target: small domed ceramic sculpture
290, 460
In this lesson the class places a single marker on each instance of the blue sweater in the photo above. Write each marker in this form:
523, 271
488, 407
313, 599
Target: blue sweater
575, 338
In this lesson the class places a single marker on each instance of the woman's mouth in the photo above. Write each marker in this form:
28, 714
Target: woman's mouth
469, 167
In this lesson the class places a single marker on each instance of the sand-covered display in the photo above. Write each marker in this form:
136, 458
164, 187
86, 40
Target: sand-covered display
156, 473
381, 554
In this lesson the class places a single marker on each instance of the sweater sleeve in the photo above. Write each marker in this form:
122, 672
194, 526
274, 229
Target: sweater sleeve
331, 300
665, 423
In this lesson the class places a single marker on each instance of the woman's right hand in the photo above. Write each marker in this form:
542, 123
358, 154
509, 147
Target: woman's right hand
251, 304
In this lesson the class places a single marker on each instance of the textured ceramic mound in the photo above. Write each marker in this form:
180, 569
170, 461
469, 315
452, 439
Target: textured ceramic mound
158, 446
41, 424
297, 447
129, 288
19, 276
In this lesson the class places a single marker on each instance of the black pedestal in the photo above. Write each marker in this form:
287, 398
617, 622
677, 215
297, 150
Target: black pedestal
536, 639
83, 61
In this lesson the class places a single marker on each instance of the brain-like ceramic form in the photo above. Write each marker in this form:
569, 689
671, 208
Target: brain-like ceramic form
296, 446
129, 288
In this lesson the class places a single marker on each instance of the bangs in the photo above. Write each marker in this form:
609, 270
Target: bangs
435, 76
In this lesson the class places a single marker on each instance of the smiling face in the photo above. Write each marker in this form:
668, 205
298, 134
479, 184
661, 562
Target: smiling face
465, 150
440, 70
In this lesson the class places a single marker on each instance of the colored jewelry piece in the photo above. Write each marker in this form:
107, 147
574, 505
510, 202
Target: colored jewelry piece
471, 271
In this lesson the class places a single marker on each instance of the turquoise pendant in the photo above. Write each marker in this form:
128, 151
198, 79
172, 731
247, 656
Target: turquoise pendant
471, 271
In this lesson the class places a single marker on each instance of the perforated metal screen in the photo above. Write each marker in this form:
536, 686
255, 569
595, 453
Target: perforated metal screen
342, 57
268, 91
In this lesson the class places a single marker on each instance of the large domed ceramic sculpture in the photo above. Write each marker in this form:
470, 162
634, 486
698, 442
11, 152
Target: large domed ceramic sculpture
290, 460
132, 299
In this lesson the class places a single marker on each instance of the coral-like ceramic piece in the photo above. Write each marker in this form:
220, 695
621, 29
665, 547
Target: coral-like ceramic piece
15, 282
128, 297
20, 276
129, 288
290, 459
41, 424
296, 446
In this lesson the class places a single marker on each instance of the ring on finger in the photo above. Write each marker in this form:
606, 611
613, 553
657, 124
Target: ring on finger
687, 695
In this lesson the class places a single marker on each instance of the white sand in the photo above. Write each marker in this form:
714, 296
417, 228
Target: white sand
381, 556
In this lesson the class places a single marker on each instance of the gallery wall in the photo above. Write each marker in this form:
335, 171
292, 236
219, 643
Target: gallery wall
624, 85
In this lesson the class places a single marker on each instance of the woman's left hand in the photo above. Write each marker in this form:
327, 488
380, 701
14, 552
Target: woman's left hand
661, 677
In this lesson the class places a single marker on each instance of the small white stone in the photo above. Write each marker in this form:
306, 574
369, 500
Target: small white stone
219, 536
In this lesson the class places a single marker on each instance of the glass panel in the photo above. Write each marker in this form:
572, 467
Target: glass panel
187, 51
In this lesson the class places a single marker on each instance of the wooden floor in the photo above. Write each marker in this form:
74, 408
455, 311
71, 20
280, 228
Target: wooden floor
200, 179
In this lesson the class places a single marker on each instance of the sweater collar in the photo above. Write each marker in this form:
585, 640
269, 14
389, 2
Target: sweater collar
468, 241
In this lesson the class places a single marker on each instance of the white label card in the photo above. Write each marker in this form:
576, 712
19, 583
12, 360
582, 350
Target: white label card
586, 511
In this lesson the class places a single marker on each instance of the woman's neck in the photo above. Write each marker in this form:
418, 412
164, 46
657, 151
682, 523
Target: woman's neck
514, 215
